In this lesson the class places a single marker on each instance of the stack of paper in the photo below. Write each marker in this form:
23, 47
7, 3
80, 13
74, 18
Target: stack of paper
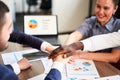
82, 69
12, 57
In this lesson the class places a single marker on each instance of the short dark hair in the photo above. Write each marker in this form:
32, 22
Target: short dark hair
115, 2
3, 9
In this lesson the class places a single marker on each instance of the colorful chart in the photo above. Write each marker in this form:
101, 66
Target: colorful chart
32, 24
86, 63
82, 69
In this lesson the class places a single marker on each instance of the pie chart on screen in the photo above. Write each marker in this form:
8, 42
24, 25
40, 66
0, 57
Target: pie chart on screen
32, 24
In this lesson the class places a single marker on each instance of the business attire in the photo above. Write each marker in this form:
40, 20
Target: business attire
10, 71
55, 72
7, 73
91, 27
102, 42
21, 38
90, 44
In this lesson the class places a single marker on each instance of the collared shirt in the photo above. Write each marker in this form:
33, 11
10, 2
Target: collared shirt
91, 27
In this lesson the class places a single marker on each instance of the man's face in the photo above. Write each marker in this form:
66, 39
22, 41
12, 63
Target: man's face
104, 10
5, 32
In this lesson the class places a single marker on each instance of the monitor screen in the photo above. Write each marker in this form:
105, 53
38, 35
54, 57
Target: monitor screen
40, 24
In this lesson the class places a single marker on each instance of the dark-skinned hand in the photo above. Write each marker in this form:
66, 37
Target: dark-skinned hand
68, 50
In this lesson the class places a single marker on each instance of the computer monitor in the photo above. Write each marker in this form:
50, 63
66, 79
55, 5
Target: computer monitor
40, 24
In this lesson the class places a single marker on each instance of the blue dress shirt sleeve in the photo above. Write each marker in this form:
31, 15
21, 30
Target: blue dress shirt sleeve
54, 74
26, 39
7, 73
56, 71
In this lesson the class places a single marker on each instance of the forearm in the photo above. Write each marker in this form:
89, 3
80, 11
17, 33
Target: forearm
47, 47
105, 57
102, 42
31, 41
25, 39
73, 37
76, 46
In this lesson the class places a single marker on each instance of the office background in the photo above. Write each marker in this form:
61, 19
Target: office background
70, 13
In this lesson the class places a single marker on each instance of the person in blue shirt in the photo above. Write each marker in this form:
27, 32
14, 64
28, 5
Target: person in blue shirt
92, 44
104, 22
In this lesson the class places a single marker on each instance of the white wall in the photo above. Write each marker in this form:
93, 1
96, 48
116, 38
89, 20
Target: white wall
22, 6
70, 13
93, 7
11, 5
19, 5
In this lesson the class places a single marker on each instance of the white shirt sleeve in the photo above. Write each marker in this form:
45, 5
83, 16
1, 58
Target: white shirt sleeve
16, 68
43, 46
58, 65
102, 41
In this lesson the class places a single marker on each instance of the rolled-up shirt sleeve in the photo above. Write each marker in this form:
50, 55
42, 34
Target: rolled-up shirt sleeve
102, 41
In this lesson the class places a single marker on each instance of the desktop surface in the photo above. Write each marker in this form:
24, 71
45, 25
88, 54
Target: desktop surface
104, 69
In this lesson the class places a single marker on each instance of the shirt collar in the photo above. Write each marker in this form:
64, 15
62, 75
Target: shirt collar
108, 25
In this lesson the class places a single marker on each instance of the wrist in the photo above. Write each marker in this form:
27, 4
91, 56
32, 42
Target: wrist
77, 46
47, 47
80, 46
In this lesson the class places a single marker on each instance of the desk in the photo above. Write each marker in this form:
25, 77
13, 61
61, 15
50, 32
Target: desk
37, 67
104, 69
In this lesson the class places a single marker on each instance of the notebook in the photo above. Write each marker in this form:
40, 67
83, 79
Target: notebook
42, 26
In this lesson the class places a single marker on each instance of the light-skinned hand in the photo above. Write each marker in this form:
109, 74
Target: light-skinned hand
63, 58
24, 64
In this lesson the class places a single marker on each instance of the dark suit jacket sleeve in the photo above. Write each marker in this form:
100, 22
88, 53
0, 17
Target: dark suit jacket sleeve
7, 73
54, 74
25, 39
